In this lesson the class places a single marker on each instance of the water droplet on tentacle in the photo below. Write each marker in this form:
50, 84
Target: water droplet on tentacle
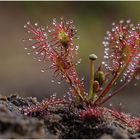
25, 26
36, 24
33, 47
135, 84
58, 82
52, 81
28, 53
42, 70
110, 104
28, 22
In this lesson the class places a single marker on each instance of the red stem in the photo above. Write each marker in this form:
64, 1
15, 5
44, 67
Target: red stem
112, 82
114, 93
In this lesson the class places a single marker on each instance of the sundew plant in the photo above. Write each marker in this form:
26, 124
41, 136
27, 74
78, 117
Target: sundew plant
55, 45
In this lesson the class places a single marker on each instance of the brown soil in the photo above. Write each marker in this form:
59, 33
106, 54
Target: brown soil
60, 122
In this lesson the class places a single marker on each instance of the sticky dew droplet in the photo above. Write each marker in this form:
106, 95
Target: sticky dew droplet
121, 21
120, 104
52, 81
20, 109
83, 78
113, 23
110, 104
33, 47
128, 21
58, 82
103, 63
25, 26
30, 39
49, 31
28, 53
28, 22
77, 47
42, 70
36, 24
135, 84
26, 114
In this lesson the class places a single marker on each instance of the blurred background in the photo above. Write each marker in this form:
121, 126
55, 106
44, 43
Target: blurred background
20, 74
